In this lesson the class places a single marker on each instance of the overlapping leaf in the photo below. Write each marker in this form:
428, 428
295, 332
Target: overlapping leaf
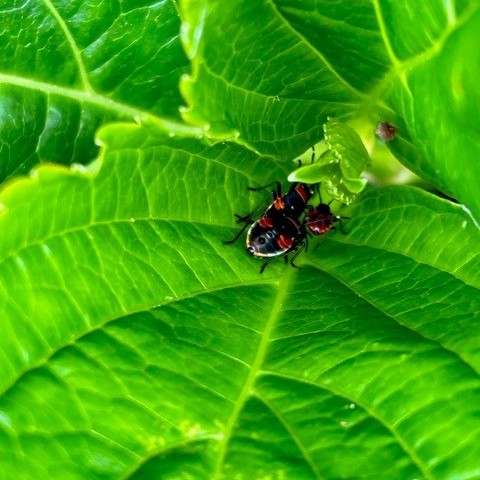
438, 100
136, 344
271, 85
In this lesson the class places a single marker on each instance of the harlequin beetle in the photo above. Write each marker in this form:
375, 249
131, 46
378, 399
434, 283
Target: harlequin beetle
278, 231
290, 205
288, 235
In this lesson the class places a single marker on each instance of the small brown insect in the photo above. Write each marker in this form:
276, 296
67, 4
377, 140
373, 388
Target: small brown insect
386, 131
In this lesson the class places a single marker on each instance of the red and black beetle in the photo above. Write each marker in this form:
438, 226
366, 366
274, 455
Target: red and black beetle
279, 230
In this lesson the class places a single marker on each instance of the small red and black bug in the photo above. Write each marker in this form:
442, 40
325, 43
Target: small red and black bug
279, 230
320, 220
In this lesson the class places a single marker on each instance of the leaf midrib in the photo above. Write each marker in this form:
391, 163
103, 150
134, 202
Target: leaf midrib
77, 95
255, 368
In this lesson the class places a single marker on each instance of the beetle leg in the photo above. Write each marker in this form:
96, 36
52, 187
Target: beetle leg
302, 246
342, 229
265, 265
245, 218
237, 236
276, 193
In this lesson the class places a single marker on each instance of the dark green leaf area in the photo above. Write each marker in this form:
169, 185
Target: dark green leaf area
39, 52
275, 93
53, 129
144, 36
131, 52
335, 30
76, 65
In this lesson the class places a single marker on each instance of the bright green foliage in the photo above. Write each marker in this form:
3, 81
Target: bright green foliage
134, 343
140, 335
293, 63
338, 167
69, 66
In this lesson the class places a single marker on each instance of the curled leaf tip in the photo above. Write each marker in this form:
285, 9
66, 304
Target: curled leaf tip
339, 161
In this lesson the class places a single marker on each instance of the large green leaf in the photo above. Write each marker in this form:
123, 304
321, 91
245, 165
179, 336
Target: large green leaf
273, 82
136, 345
69, 66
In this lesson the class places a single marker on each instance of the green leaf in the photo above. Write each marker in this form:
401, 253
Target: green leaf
339, 166
269, 84
273, 83
442, 82
137, 345
74, 66
134, 343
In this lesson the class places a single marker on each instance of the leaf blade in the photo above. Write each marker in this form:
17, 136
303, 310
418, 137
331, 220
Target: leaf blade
200, 323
